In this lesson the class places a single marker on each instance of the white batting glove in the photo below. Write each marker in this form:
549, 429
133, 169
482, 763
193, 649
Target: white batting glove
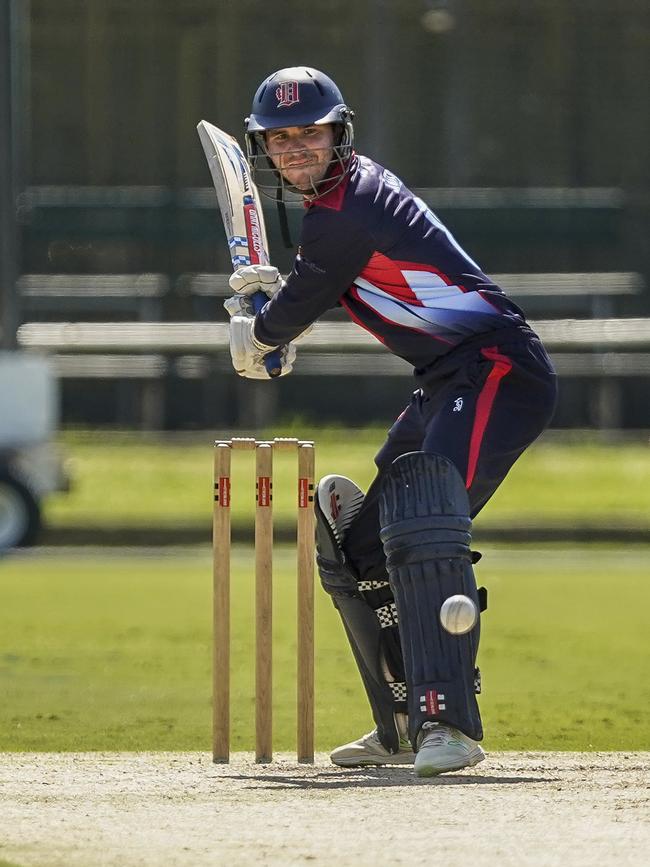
256, 278
248, 353
239, 305
258, 371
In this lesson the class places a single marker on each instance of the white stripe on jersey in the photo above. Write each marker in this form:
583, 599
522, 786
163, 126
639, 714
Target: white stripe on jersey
424, 289
425, 280
432, 292
401, 312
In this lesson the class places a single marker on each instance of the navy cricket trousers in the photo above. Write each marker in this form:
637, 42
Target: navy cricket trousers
480, 406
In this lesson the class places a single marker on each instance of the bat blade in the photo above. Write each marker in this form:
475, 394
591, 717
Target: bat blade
238, 198
241, 212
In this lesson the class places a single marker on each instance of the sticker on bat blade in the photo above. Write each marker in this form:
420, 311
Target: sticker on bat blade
254, 230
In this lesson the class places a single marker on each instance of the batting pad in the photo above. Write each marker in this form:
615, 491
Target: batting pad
424, 515
337, 500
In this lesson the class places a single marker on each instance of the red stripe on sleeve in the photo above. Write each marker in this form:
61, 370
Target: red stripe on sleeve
387, 275
502, 367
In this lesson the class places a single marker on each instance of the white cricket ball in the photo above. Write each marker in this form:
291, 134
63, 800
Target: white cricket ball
458, 614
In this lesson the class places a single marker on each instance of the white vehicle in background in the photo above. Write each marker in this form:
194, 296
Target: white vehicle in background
30, 463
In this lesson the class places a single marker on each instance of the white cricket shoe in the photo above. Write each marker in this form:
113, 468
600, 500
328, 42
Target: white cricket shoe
368, 750
443, 748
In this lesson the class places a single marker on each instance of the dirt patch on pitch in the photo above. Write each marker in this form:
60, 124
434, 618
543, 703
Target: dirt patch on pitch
178, 809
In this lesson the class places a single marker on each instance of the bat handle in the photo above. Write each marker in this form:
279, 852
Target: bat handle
272, 360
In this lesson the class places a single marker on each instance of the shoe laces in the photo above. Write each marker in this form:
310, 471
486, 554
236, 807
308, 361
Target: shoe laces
371, 736
435, 733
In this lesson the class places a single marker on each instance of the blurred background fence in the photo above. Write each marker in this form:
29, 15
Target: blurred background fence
525, 126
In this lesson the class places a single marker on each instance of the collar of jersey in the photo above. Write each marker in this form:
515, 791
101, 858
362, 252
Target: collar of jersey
334, 198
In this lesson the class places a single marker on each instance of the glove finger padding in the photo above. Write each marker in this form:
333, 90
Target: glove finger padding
288, 355
256, 278
239, 305
258, 370
247, 353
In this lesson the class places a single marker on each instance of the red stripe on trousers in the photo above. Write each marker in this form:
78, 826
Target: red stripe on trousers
502, 367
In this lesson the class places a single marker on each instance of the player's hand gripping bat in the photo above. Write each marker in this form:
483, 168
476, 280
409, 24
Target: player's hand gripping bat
241, 212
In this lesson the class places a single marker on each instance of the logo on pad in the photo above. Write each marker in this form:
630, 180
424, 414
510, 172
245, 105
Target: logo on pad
432, 702
287, 94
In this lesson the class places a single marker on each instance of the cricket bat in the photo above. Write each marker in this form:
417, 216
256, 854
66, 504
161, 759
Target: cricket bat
241, 211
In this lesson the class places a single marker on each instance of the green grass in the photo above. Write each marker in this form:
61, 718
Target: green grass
129, 480
114, 653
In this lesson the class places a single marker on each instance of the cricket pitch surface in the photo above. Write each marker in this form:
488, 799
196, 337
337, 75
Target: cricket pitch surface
180, 810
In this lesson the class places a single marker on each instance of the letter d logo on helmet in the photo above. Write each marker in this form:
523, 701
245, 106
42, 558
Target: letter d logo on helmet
296, 96
287, 94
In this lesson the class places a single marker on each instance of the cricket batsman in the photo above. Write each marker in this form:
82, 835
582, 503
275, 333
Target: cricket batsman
485, 390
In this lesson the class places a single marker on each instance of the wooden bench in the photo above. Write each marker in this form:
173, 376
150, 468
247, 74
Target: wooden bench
65, 294
596, 294
177, 338
604, 349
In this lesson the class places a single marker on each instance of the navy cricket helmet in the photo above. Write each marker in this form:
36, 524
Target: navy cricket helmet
298, 96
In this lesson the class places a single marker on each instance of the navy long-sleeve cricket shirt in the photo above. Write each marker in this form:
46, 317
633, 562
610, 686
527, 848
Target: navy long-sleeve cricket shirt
376, 248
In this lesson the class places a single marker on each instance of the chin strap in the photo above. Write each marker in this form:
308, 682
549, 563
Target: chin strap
283, 220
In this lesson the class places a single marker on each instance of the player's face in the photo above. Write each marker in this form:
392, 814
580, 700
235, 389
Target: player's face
302, 153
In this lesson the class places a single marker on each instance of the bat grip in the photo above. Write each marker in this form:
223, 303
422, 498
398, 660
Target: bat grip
272, 360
